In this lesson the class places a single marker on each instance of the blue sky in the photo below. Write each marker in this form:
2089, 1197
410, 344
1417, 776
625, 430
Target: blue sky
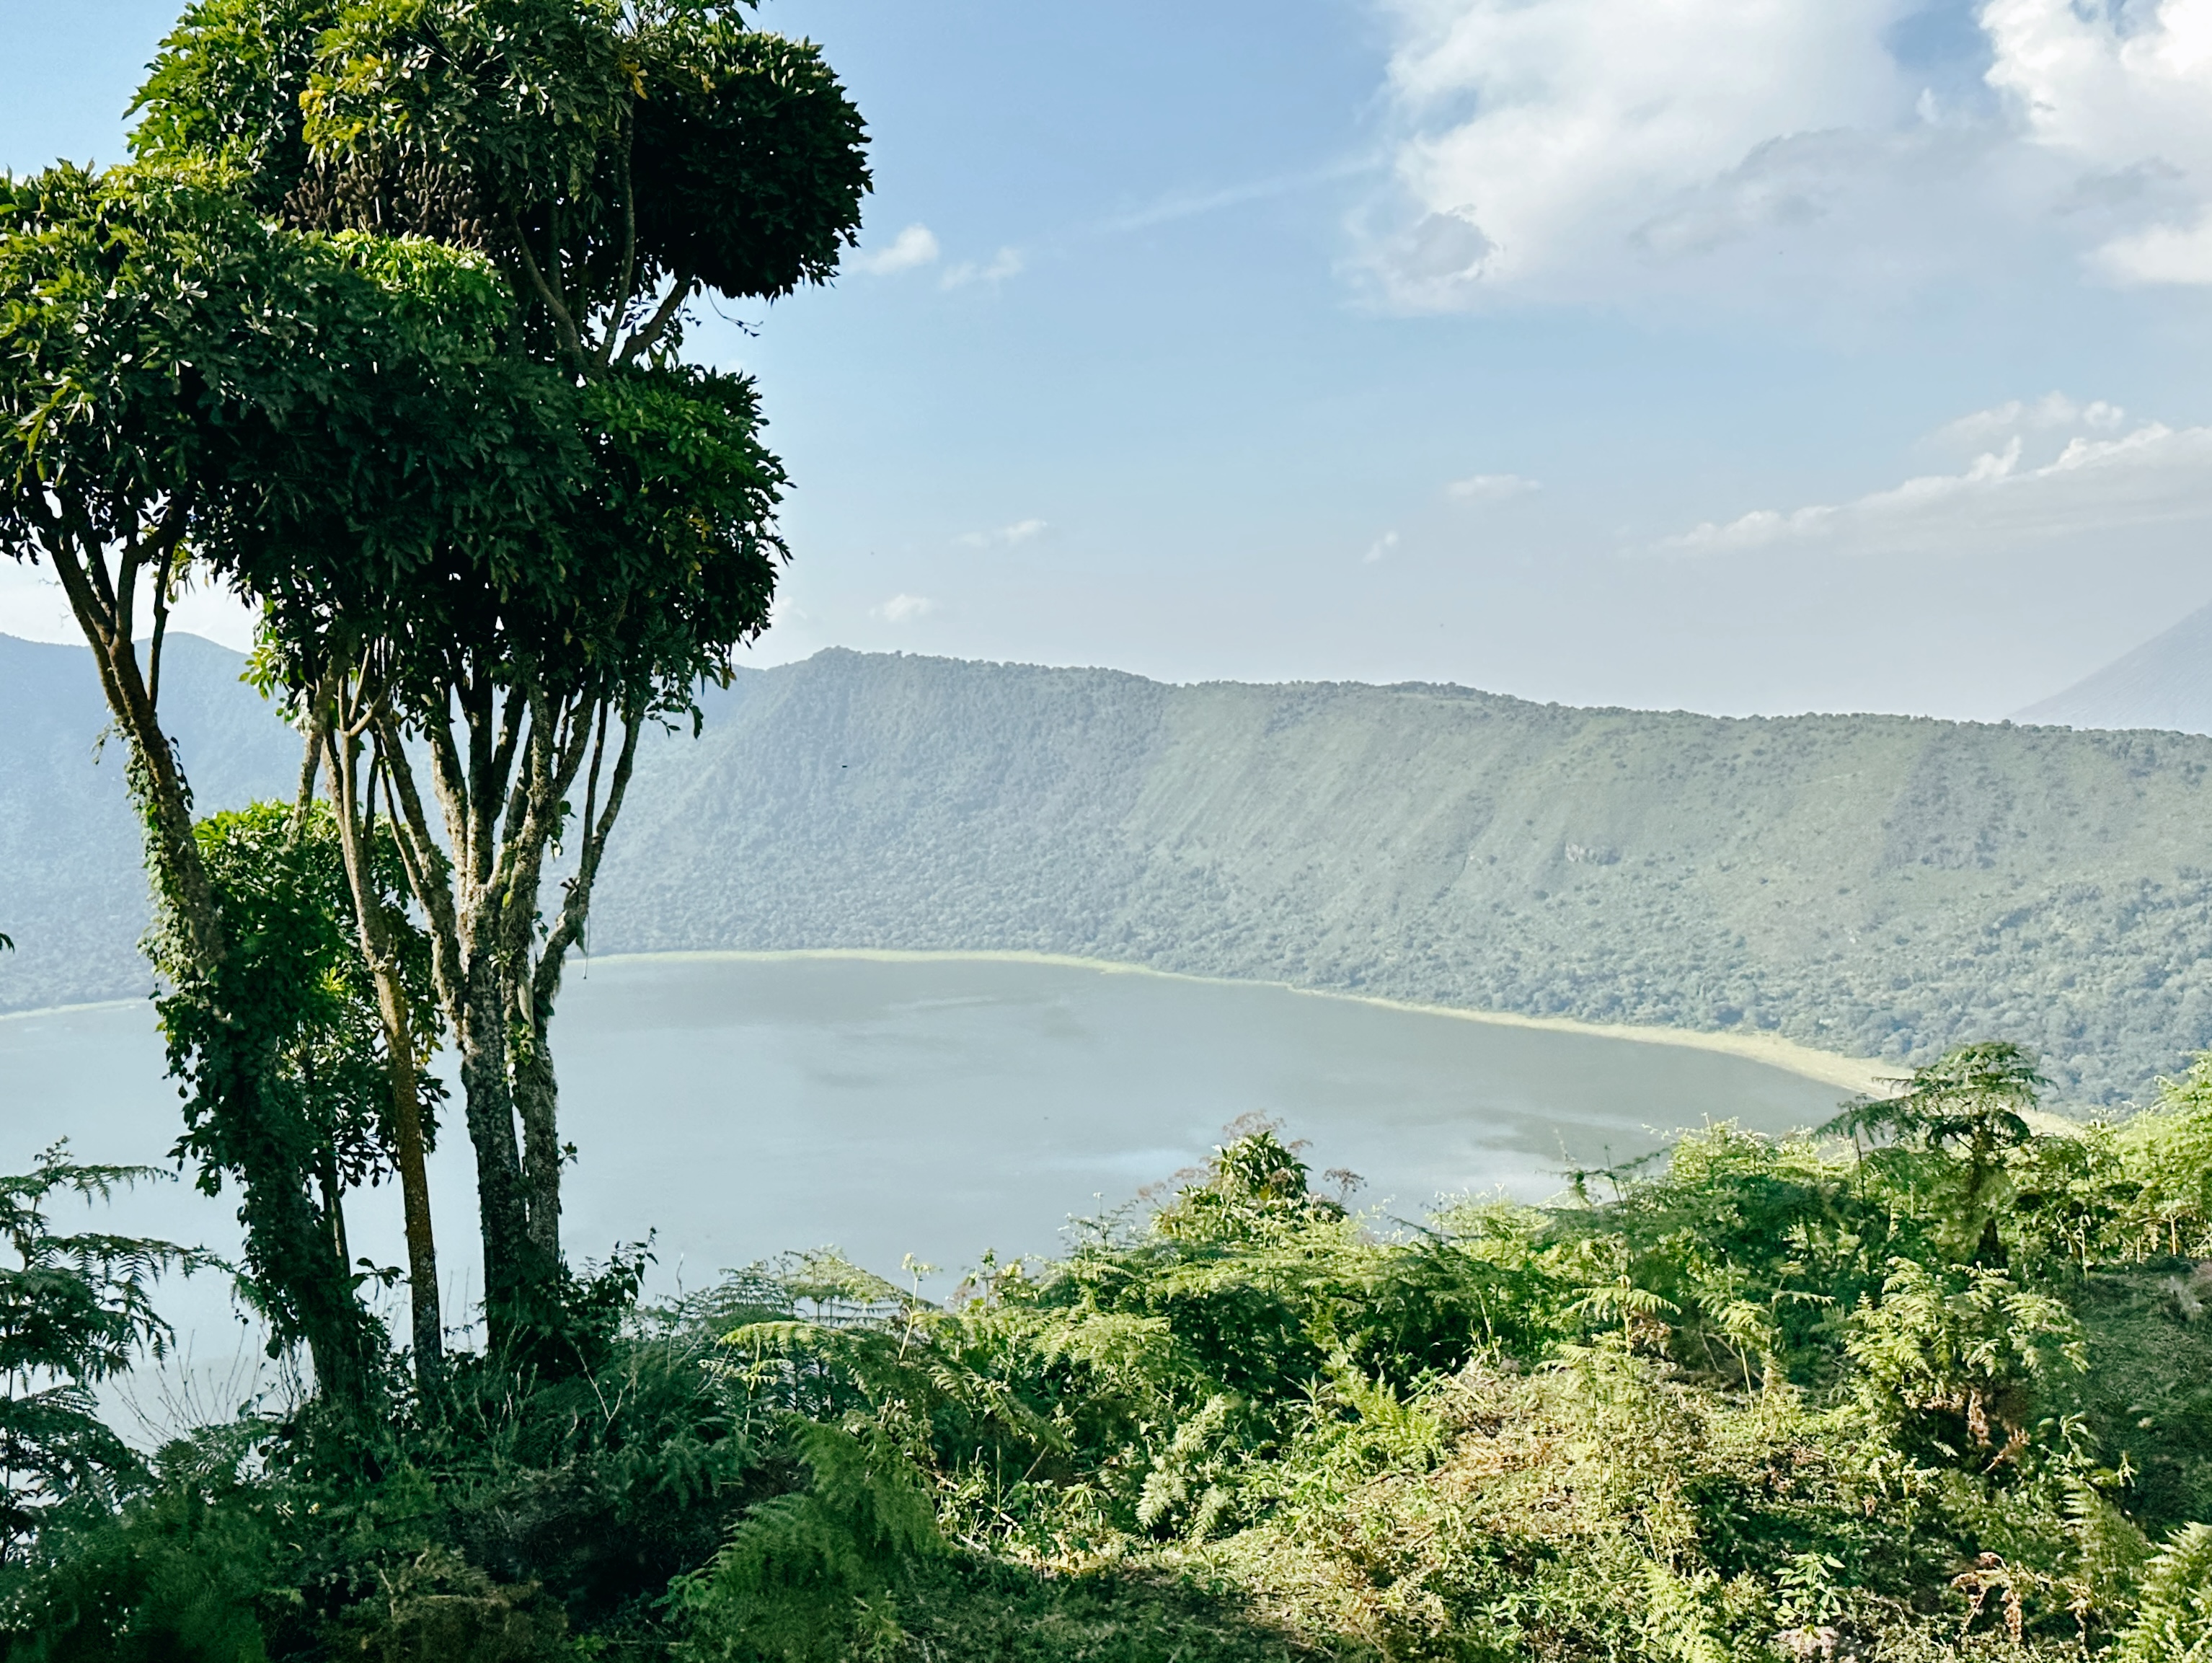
1742, 355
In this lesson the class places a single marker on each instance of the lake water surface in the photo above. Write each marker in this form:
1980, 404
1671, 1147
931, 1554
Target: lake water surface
942, 1105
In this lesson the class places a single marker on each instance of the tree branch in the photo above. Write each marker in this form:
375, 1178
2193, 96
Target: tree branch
167, 801
657, 325
418, 853
563, 320
577, 904
450, 780
166, 538
311, 756
620, 309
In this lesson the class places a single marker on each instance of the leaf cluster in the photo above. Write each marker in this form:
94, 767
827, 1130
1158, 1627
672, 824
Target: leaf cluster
302, 995
76, 1308
603, 151
167, 355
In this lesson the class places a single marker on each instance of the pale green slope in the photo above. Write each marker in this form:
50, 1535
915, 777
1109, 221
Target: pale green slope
1875, 885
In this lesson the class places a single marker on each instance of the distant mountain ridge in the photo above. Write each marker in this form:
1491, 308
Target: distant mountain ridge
2166, 683
1873, 885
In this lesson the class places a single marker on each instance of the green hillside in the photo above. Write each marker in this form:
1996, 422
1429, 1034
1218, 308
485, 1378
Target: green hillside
1871, 884
1876, 885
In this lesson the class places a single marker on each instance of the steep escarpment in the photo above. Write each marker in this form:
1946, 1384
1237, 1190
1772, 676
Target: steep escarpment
1880, 885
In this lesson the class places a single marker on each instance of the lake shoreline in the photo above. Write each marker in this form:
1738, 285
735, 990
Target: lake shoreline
1851, 1074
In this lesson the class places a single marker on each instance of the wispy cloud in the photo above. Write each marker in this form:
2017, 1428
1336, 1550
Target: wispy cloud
903, 608
1490, 487
2052, 412
915, 246
1006, 263
1379, 548
2150, 474
1192, 205
1006, 537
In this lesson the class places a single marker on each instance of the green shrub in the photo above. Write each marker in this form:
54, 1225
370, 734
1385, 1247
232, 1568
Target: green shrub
1938, 1398
2176, 1622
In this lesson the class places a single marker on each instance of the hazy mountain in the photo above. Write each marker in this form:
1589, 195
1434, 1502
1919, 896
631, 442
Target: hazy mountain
72, 888
1877, 885
2166, 683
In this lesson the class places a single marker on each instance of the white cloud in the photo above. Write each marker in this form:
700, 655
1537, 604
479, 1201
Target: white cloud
1490, 487
2150, 475
2122, 93
903, 608
1540, 136
1380, 547
915, 246
2161, 254
1006, 263
1582, 149
2053, 412
1006, 537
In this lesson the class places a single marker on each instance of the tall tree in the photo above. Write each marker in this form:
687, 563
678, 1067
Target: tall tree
614, 161
173, 366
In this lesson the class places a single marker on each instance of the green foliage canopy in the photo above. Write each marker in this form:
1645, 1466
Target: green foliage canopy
605, 152
167, 353
280, 1050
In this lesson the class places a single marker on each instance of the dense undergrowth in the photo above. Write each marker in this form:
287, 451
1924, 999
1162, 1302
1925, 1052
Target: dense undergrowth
1942, 1390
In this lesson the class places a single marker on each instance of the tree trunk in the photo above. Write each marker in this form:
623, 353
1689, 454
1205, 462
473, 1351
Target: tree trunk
334, 1209
537, 1089
1990, 1249
481, 894
426, 1325
427, 1329
502, 1206
536, 1096
449, 884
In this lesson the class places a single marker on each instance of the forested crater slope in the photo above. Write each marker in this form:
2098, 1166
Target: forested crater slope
1871, 884
1877, 885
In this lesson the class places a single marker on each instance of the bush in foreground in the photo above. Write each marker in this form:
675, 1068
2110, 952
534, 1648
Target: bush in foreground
1944, 1393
